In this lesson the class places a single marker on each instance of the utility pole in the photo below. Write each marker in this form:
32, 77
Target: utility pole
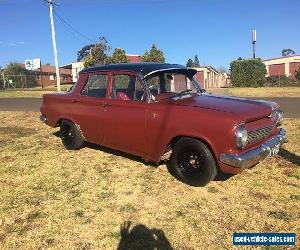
54, 45
254, 42
3, 80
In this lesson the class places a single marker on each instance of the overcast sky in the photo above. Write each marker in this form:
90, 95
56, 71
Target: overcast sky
217, 30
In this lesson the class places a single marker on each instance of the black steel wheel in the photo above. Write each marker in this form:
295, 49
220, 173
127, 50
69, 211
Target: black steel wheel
71, 136
192, 162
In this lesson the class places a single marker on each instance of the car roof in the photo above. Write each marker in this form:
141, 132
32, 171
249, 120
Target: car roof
145, 68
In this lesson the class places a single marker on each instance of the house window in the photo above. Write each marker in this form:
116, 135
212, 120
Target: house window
51, 77
38, 76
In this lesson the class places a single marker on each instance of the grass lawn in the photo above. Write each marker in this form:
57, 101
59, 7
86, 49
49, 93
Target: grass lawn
259, 92
99, 199
31, 92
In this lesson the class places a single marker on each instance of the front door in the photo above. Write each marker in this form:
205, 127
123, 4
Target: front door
89, 108
128, 106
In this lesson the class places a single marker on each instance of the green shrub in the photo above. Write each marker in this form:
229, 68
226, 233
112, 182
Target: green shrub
281, 81
297, 73
248, 72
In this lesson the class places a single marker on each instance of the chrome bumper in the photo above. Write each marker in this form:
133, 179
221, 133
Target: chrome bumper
253, 156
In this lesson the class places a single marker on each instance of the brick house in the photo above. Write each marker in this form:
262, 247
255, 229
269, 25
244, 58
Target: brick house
134, 58
282, 66
209, 77
46, 76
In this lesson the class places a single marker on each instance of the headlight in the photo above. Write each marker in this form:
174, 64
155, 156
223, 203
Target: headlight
241, 136
280, 117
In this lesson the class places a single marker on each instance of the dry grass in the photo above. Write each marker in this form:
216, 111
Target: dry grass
37, 92
54, 198
259, 92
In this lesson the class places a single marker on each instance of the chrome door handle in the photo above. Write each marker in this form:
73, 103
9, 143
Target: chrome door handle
75, 100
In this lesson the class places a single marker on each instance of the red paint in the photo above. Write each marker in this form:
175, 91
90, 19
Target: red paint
146, 129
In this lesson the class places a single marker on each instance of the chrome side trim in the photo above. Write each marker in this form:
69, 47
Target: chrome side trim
252, 157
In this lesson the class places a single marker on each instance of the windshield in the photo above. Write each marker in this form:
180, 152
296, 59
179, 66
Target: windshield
164, 85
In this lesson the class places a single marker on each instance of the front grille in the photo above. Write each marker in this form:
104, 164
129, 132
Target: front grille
259, 134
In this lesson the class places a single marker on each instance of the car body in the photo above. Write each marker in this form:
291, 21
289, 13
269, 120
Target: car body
145, 109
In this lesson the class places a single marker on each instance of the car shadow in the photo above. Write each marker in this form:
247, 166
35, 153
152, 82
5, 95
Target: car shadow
142, 237
289, 156
220, 176
114, 152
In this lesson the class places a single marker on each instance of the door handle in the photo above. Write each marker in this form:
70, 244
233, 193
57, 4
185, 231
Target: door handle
74, 100
106, 105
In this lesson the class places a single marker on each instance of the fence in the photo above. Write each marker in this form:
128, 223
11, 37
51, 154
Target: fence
17, 81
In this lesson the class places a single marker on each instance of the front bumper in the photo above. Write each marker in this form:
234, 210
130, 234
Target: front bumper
252, 157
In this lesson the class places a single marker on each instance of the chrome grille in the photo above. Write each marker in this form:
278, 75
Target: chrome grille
259, 134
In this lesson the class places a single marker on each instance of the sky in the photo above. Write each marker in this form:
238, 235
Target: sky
218, 31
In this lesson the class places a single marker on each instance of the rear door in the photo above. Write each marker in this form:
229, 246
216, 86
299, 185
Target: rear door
128, 106
90, 107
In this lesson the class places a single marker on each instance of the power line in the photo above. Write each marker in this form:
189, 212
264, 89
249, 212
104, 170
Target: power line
67, 25
71, 28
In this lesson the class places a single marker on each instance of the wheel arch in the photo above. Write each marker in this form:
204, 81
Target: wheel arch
60, 119
176, 138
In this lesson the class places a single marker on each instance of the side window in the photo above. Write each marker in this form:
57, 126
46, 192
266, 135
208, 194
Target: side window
154, 86
178, 83
127, 87
95, 86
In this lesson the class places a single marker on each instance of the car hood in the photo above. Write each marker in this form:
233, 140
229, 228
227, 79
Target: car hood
248, 110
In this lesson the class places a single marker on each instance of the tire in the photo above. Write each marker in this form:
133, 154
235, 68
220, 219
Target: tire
71, 136
192, 162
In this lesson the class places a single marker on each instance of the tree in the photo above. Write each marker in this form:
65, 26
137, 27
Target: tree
14, 68
193, 63
93, 54
118, 56
155, 55
190, 63
19, 75
297, 73
84, 52
1, 79
287, 52
196, 61
146, 57
248, 72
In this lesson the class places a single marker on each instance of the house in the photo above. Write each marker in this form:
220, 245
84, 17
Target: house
282, 66
46, 75
134, 58
75, 68
209, 77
